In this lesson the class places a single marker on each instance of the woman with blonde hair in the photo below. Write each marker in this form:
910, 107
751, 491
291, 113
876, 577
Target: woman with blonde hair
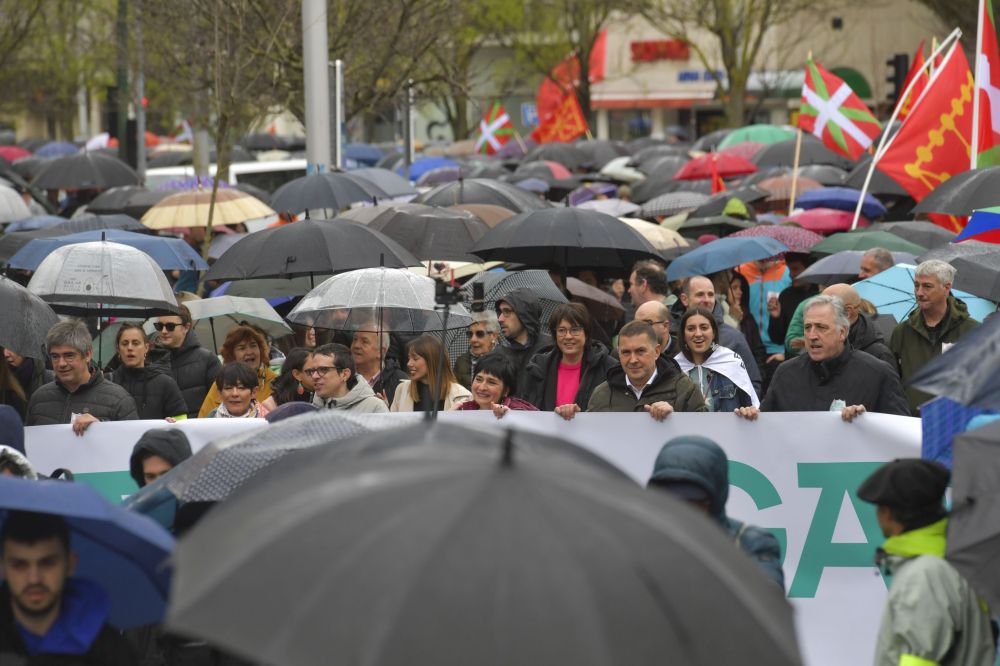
244, 344
430, 380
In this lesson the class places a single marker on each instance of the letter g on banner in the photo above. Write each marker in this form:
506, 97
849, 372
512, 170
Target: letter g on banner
762, 492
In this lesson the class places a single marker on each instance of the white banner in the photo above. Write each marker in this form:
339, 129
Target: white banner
794, 473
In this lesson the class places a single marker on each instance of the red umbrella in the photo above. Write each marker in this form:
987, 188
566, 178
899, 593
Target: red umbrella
744, 149
13, 153
827, 220
797, 239
725, 165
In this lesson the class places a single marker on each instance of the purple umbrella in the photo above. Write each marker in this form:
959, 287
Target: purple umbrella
796, 238
194, 183
591, 191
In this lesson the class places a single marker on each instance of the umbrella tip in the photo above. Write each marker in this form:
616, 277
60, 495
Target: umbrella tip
507, 456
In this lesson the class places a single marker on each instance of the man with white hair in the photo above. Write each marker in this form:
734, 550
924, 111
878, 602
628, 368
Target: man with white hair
382, 373
939, 318
874, 261
831, 376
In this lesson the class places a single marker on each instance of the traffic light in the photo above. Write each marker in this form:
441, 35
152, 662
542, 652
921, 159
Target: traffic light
899, 67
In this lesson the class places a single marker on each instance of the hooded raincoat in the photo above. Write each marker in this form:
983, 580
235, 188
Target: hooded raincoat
529, 311
168, 443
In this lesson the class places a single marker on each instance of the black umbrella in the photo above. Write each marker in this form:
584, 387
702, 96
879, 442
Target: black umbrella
443, 544
85, 170
979, 274
812, 151
948, 252
331, 189
28, 167
716, 203
389, 182
663, 166
923, 233
115, 199
969, 372
720, 225
963, 193
598, 152
28, 320
881, 185
656, 151
974, 524
309, 248
567, 238
264, 141
764, 173
482, 191
566, 154
824, 174
430, 232
711, 141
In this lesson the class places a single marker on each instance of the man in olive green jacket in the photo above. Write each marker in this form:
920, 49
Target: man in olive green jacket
939, 318
644, 381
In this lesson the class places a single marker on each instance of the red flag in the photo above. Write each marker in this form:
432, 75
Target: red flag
564, 124
919, 72
718, 185
988, 85
935, 142
832, 112
565, 76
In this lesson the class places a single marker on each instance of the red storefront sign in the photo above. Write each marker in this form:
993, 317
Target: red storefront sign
651, 50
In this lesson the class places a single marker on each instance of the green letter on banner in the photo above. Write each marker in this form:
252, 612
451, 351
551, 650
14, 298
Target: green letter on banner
762, 492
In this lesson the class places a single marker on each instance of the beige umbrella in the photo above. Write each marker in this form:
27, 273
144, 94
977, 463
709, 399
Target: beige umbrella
660, 237
190, 209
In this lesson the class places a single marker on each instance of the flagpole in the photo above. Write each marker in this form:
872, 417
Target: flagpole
974, 156
798, 153
885, 141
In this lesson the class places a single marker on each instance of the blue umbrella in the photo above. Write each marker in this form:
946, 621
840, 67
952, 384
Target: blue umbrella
121, 551
273, 302
57, 149
722, 254
536, 185
891, 291
35, 223
168, 253
841, 198
364, 154
425, 164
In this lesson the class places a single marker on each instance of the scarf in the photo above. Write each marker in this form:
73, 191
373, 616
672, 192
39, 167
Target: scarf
727, 363
254, 412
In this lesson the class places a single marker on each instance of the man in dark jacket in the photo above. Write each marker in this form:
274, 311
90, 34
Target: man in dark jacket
864, 335
519, 313
46, 615
157, 452
831, 376
382, 373
645, 381
194, 368
695, 469
79, 395
938, 319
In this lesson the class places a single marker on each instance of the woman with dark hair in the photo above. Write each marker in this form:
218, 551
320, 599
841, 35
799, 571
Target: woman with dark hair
153, 388
738, 298
293, 384
563, 378
424, 363
247, 345
718, 371
11, 392
237, 383
492, 386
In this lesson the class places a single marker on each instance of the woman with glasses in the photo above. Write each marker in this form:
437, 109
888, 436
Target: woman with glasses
247, 345
154, 390
237, 384
563, 378
718, 371
426, 385
483, 334
492, 386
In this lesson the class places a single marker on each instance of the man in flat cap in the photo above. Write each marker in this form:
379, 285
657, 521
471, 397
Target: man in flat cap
932, 617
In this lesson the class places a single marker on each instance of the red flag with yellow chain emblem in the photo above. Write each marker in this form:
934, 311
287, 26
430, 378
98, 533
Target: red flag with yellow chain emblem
564, 124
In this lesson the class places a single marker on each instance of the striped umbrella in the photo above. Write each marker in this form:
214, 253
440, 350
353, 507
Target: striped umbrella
188, 209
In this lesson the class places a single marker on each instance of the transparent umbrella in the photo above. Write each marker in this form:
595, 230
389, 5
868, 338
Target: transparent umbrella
215, 317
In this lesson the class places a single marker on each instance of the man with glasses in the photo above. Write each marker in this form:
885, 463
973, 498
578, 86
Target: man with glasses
336, 382
79, 395
520, 314
193, 367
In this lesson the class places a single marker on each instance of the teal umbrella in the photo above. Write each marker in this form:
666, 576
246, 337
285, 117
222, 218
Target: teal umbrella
767, 134
891, 292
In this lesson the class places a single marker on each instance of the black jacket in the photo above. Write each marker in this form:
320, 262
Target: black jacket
389, 378
529, 310
194, 369
107, 401
865, 336
857, 378
155, 392
543, 373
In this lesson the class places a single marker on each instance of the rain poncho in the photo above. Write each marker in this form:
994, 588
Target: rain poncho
773, 279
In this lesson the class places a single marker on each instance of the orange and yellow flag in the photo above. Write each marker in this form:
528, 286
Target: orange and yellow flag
564, 124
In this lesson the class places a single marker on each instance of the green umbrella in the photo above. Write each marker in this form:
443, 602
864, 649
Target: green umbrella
866, 240
758, 134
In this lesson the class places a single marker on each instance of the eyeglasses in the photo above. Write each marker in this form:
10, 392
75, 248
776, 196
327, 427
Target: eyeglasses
476, 334
505, 312
652, 322
170, 326
69, 357
322, 370
574, 331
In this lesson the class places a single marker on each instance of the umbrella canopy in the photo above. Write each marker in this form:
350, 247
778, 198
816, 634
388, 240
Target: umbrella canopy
745, 149
841, 198
984, 225
716, 204
591, 191
168, 253
812, 151
491, 215
673, 203
973, 537
121, 551
979, 274
766, 134
391, 299
12, 242
712, 140
34, 223
54, 149
546, 170
422, 165
12, 206
618, 169
482, 191
963, 193
85, 171
866, 240
722, 254
333, 190
843, 267
720, 225
85, 278
922, 233
438, 176
827, 220
452, 515
601, 305
824, 173
891, 292
779, 188
430, 232
880, 185
725, 165
795, 238
114, 200
536, 185
948, 252
612, 207
363, 153
598, 152
565, 237
24, 334
309, 248
214, 317
13, 153
969, 372
569, 155
389, 182
188, 209
659, 237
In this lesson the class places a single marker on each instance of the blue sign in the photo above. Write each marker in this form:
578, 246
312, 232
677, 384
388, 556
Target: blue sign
529, 114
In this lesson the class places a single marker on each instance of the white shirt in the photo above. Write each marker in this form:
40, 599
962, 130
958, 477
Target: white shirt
638, 391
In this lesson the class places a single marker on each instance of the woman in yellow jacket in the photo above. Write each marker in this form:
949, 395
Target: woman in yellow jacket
243, 344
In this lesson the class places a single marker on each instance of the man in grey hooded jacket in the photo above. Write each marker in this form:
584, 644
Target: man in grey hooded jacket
336, 384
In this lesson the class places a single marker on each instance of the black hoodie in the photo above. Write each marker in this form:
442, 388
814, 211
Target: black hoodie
170, 444
865, 336
526, 305
194, 369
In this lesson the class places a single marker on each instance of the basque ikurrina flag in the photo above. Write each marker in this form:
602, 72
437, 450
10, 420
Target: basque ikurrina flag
495, 129
833, 113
